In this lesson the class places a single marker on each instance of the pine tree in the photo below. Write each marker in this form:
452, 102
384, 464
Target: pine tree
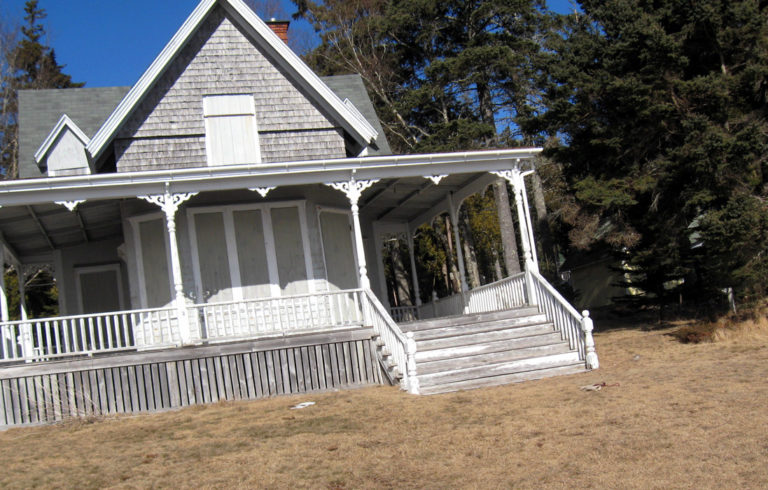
30, 64
662, 109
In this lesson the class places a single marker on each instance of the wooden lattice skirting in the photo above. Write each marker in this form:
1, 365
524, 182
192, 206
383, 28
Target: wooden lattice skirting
161, 380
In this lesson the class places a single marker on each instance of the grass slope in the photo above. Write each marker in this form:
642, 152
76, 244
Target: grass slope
683, 416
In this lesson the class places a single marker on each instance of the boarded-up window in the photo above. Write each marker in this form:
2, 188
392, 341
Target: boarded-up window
231, 136
157, 283
289, 250
99, 288
214, 263
338, 250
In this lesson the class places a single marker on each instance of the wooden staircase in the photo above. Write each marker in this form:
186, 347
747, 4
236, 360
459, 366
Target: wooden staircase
487, 349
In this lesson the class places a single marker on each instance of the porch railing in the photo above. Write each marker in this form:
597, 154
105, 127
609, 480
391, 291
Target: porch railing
277, 316
404, 313
566, 319
509, 292
400, 348
66, 336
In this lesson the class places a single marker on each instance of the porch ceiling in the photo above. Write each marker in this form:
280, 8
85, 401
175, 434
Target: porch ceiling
33, 226
407, 199
32, 232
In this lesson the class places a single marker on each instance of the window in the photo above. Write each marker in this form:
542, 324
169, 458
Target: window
152, 259
249, 251
231, 136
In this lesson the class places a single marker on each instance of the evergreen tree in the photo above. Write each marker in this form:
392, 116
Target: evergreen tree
30, 64
661, 106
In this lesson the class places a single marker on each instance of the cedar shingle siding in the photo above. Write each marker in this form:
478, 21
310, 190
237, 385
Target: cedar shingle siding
167, 130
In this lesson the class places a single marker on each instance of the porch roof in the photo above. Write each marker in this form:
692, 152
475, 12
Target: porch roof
34, 221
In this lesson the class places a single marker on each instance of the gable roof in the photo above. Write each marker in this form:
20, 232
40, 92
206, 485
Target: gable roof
352, 88
39, 111
358, 128
65, 123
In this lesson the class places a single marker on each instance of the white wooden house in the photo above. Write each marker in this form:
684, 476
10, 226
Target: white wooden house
215, 232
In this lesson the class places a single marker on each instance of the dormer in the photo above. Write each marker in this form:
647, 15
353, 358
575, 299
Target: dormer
63, 151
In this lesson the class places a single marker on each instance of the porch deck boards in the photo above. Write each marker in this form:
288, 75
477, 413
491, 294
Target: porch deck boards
161, 380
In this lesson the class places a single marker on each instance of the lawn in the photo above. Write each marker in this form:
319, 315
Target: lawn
672, 416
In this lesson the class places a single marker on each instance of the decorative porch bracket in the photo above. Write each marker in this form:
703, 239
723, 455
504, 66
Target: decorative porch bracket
70, 205
170, 203
263, 191
353, 189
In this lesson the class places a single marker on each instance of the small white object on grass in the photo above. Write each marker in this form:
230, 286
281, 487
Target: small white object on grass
302, 405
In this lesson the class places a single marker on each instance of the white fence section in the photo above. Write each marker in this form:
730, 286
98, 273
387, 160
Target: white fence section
51, 338
277, 316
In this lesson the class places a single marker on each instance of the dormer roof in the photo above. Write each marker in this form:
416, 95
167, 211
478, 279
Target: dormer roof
64, 124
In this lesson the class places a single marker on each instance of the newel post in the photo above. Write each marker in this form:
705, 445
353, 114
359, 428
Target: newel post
589, 342
410, 351
170, 203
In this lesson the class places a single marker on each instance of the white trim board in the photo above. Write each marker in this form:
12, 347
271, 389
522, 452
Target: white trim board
202, 179
262, 34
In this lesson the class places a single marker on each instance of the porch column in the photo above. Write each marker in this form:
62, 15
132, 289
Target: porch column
25, 334
353, 189
414, 276
170, 203
22, 291
459, 252
515, 178
528, 221
4, 313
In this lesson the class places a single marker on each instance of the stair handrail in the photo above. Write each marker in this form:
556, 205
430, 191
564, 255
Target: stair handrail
573, 326
401, 346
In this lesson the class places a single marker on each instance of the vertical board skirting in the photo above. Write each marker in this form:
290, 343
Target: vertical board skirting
150, 382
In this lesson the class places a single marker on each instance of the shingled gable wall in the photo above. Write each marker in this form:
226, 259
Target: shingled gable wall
167, 130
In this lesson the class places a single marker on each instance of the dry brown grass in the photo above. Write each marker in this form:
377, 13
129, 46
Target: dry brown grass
683, 416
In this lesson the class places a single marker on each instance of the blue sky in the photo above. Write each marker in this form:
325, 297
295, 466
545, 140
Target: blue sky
111, 42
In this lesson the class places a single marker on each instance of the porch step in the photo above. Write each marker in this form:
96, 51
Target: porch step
455, 320
486, 382
483, 337
510, 354
488, 349
479, 327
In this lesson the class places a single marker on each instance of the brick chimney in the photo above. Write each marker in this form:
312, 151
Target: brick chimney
280, 27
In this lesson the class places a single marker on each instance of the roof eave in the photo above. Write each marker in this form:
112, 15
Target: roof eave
132, 184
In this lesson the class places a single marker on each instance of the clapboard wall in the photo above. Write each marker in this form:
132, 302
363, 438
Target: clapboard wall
155, 381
